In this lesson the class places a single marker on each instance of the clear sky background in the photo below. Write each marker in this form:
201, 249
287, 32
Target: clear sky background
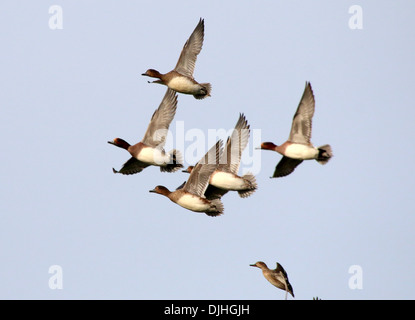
66, 92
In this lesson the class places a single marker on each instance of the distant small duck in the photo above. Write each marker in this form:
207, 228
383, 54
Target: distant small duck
225, 178
277, 277
298, 146
150, 150
191, 195
181, 79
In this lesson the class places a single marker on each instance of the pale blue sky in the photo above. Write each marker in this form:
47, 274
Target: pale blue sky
66, 92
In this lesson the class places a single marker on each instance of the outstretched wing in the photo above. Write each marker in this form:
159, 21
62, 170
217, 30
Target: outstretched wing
199, 177
285, 167
302, 121
213, 192
156, 133
191, 49
235, 145
283, 274
132, 166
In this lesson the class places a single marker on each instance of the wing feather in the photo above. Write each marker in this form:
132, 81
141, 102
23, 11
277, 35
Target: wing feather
132, 166
285, 167
158, 127
199, 177
235, 145
187, 60
302, 121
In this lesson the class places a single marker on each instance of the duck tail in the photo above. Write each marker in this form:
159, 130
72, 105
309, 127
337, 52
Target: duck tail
207, 88
324, 154
252, 185
216, 208
176, 162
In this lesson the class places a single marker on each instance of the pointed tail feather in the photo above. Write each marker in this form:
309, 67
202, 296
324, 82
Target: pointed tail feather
252, 185
207, 88
325, 153
217, 208
175, 163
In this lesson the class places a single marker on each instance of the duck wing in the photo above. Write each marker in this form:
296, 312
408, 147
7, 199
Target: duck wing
285, 167
283, 274
199, 177
235, 145
187, 60
302, 121
158, 127
132, 166
213, 192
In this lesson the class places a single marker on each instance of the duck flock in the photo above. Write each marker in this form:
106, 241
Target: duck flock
217, 172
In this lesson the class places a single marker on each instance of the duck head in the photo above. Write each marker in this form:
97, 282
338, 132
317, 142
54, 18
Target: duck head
161, 190
267, 146
259, 264
189, 169
120, 143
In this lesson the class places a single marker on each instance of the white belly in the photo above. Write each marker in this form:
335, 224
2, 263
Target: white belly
183, 85
301, 152
194, 203
227, 181
153, 156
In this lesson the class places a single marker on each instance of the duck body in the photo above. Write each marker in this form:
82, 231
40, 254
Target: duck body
301, 152
297, 151
195, 203
143, 156
188, 85
152, 156
228, 181
180, 83
189, 201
